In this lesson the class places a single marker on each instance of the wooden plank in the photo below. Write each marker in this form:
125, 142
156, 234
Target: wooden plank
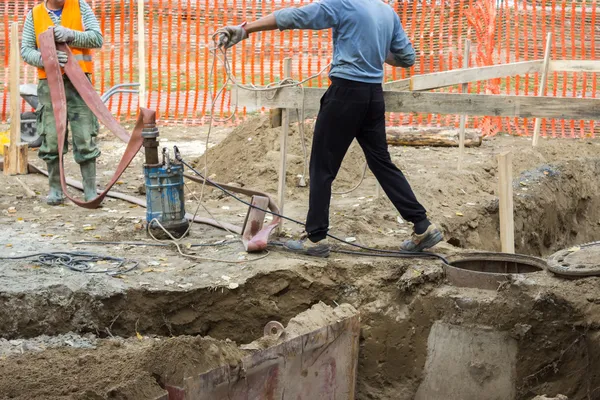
459, 76
285, 129
575, 66
402, 84
443, 79
505, 194
432, 137
442, 103
463, 118
141, 53
542, 88
15, 153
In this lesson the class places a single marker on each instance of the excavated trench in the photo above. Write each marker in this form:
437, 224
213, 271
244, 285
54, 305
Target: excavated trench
555, 206
421, 336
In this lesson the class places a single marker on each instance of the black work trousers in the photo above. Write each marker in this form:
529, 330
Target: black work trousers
351, 110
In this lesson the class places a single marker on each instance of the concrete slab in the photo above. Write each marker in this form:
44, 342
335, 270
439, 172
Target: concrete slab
469, 363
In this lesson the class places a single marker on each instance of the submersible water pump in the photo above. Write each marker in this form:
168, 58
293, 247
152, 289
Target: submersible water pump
165, 201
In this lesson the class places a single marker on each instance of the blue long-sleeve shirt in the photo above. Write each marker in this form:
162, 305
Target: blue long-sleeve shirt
364, 33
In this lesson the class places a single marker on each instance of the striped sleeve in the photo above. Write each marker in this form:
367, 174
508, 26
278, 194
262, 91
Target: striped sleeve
31, 55
91, 38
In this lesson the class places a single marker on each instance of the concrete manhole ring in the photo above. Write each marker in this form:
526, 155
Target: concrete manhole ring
582, 260
484, 270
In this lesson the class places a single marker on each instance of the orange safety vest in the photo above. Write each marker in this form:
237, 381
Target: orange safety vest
71, 18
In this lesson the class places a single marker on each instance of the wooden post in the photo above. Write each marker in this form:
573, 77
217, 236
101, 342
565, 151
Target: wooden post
275, 117
141, 53
542, 88
285, 129
15, 153
463, 118
505, 193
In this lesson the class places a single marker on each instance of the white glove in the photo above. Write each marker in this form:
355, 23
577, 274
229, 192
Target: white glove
231, 35
63, 35
62, 58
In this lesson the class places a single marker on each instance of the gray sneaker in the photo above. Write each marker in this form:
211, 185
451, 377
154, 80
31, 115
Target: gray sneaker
306, 247
426, 240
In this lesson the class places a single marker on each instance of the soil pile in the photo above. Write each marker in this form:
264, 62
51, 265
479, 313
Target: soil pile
316, 317
250, 156
116, 369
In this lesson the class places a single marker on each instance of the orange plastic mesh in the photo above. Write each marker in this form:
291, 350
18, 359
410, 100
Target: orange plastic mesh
178, 36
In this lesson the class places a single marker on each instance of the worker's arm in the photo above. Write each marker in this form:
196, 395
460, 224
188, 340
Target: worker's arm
29, 51
91, 37
401, 52
315, 16
268, 23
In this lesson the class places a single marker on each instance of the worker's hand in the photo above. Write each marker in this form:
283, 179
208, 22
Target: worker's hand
231, 35
62, 58
63, 35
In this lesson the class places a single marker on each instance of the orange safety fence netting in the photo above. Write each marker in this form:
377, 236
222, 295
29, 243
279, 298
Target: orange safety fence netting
178, 39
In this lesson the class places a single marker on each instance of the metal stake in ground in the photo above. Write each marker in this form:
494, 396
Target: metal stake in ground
505, 194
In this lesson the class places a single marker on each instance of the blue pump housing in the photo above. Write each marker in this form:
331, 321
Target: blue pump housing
164, 197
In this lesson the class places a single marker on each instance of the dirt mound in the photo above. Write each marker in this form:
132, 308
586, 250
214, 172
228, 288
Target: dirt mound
116, 369
250, 156
316, 317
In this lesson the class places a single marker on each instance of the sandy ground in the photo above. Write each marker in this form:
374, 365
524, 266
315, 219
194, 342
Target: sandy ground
556, 205
457, 200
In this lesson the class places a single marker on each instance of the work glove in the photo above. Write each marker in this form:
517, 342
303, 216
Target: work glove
62, 58
229, 36
63, 35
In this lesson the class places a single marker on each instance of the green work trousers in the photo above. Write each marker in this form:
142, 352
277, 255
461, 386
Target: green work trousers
83, 125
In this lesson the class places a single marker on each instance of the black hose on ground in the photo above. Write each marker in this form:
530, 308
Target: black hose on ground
80, 261
369, 250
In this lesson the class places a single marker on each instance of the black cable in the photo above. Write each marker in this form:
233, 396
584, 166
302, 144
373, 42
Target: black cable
79, 261
400, 254
370, 253
224, 243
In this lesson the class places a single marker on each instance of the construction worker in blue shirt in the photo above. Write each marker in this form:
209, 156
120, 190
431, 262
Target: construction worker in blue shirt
366, 34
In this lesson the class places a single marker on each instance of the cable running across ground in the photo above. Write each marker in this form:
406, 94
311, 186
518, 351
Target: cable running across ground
80, 261
372, 251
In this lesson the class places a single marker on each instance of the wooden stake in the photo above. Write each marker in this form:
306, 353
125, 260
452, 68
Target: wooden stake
28, 192
463, 118
141, 53
505, 193
542, 88
285, 128
15, 153
275, 117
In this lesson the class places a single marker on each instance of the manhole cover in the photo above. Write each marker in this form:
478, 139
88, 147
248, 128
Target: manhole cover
489, 270
583, 260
